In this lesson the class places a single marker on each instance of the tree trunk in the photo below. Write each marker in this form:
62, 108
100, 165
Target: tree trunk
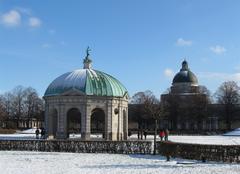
155, 138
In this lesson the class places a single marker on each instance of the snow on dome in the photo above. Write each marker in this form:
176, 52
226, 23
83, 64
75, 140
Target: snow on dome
185, 75
87, 81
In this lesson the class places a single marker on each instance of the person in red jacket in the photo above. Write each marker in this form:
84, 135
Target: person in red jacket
162, 134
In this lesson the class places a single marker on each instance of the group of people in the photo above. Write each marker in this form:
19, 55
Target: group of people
40, 133
163, 134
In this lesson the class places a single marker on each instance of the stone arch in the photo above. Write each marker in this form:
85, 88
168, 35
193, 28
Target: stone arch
98, 120
73, 121
53, 122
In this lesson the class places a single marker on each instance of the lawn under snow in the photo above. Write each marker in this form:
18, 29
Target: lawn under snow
200, 139
215, 140
14, 162
233, 137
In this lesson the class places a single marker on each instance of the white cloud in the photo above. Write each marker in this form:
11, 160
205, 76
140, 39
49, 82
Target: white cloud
34, 22
218, 49
168, 73
182, 42
222, 76
51, 31
11, 18
46, 45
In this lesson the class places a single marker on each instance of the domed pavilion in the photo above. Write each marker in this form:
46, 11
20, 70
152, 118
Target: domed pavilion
87, 102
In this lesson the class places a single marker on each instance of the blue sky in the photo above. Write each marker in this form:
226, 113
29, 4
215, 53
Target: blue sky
141, 43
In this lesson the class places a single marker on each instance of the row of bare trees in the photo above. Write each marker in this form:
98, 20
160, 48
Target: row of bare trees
21, 103
227, 98
228, 95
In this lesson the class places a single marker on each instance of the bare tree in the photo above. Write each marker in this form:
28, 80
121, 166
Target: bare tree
33, 105
153, 108
3, 113
18, 102
6, 103
21, 103
228, 95
139, 113
150, 109
172, 110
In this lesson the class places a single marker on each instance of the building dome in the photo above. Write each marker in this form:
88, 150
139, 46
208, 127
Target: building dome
88, 82
185, 75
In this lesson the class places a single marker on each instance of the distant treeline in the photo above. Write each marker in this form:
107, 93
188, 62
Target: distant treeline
21, 103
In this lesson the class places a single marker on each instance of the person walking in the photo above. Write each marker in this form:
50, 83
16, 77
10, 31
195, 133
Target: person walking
42, 133
37, 133
145, 134
166, 131
161, 135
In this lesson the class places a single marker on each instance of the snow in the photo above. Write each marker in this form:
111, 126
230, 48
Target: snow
70, 163
27, 131
74, 163
199, 139
215, 140
29, 134
235, 132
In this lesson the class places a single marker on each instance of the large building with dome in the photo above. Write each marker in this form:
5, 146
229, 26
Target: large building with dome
186, 108
184, 85
86, 102
187, 102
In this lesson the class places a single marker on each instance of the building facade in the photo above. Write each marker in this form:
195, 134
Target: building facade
190, 103
187, 108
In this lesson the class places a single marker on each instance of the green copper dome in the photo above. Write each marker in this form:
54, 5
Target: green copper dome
88, 82
185, 75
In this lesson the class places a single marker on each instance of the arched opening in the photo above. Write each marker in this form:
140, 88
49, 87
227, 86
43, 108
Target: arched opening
98, 123
73, 122
53, 123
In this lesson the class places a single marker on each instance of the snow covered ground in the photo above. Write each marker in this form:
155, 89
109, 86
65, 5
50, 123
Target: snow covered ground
216, 140
71, 163
235, 132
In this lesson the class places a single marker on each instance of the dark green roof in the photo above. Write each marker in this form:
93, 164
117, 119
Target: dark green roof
185, 75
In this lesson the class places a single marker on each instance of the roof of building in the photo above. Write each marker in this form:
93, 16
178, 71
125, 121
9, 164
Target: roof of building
88, 82
185, 75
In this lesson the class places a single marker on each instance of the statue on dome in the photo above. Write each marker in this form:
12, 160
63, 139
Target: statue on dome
87, 51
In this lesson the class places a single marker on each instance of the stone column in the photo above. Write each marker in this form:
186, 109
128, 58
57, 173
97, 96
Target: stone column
108, 122
46, 121
125, 124
61, 129
119, 132
86, 123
